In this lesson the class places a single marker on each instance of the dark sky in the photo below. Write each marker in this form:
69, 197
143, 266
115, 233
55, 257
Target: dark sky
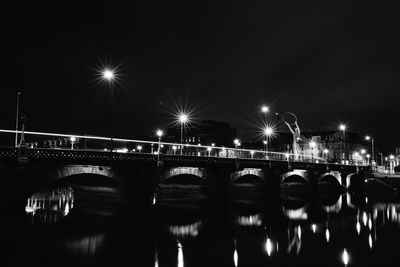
326, 61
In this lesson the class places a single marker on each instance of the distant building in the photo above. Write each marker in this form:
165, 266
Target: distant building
331, 145
204, 132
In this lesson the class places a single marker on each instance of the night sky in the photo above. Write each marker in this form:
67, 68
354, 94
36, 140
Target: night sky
326, 61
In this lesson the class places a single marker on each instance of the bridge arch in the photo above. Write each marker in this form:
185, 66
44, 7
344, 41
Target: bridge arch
298, 175
195, 174
333, 176
352, 179
258, 174
74, 170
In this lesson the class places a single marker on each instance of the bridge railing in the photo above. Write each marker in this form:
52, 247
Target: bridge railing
39, 140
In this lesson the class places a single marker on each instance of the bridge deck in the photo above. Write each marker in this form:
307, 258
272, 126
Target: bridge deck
106, 157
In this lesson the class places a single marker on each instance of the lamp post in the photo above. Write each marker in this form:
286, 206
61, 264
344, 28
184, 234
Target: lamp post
183, 119
159, 134
139, 148
109, 76
370, 138
268, 131
174, 149
237, 143
312, 145
326, 153
342, 127
72, 139
391, 163
209, 151
16, 119
265, 110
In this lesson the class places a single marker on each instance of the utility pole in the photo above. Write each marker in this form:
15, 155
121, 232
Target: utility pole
16, 120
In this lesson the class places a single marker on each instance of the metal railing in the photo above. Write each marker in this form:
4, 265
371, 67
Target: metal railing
56, 141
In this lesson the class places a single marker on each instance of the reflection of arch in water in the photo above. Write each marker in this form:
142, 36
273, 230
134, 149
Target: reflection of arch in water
248, 220
188, 230
296, 213
87, 245
334, 208
294, 238
50, 206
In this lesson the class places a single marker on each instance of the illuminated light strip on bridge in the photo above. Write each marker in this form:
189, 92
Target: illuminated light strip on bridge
155, 142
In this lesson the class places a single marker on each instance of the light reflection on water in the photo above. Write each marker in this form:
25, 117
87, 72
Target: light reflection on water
248, 220
87, 245
50, 206
342, 232
182, 231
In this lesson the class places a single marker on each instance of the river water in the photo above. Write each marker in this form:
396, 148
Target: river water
86, 226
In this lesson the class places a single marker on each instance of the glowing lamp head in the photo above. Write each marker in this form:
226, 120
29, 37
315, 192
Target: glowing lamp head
159, 133
326, 151
108, 75
236, 142
72, 138
264, 109
174, 147
139, 147
342, 127
363, 151
183, 118
209, 149
268, 131
368, 155
391, 157
368, 138
312, 144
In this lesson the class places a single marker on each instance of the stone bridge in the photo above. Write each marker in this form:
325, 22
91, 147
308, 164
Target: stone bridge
142, 173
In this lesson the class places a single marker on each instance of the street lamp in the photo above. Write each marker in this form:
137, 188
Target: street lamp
370, 138
264, 109
108, 75
209, 150
342, 128
174, 149
236, 142
139, 148
183, 119
159, 134
326, 152
268, 131
72, 139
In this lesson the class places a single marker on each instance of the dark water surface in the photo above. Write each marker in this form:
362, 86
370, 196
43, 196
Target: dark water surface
96, 226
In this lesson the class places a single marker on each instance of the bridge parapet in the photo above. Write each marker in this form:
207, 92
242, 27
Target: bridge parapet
8, 153
102, 157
